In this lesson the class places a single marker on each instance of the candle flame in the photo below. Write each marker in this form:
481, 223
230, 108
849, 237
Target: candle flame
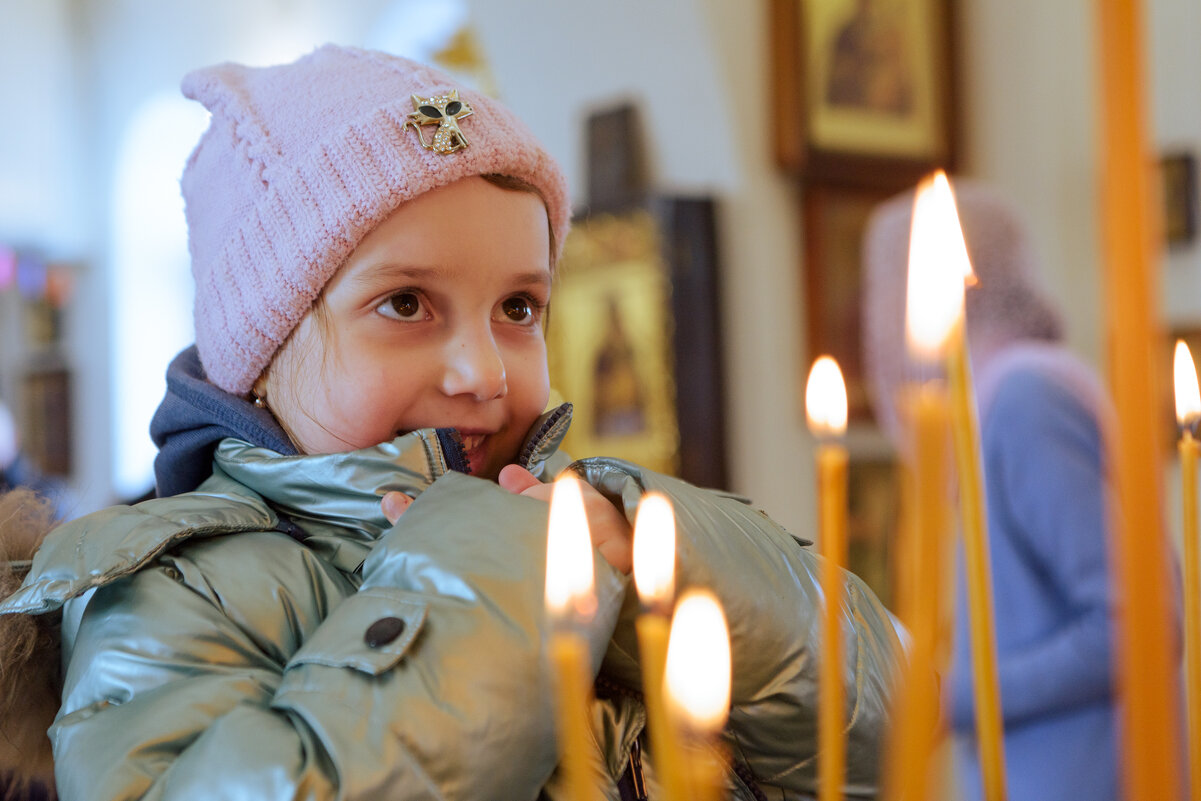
826, 398
655, 550
1188, 397
697, 677
568, 552
969, 272
938, 269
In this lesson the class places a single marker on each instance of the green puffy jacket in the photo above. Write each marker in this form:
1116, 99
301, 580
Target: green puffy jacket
271, 636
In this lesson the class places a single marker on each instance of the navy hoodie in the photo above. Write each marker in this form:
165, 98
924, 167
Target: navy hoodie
194, 417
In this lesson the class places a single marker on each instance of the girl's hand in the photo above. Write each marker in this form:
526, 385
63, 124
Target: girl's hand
394, 504
610, 532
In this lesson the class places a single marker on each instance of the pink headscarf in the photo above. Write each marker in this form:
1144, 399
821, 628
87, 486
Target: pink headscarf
1005, 306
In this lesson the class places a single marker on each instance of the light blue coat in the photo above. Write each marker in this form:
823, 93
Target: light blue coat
1043, 417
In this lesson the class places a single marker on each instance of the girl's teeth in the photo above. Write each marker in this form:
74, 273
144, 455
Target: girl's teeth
472, 441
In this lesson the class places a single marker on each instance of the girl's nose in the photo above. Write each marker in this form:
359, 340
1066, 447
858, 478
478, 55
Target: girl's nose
474, 367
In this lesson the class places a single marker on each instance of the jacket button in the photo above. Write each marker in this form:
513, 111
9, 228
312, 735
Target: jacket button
384, 631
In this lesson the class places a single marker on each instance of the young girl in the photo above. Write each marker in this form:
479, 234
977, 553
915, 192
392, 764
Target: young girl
339, 591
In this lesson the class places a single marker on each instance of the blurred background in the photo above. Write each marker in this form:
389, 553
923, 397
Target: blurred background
705, 98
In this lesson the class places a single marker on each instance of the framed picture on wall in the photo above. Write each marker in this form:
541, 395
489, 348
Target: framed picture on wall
616, 165
1178, 173
862, 89
834, 221
632, 339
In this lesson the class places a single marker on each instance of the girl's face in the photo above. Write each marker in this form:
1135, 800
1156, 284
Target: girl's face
434, 321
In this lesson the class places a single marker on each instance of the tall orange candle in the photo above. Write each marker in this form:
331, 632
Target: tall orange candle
569, 601
697, 689
978, 579
934, 306
1140, 558
826, 409
977, 562
654, 577
917, 725
1188, 412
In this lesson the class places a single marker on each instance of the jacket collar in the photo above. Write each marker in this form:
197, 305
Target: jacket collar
344, 489
335, 498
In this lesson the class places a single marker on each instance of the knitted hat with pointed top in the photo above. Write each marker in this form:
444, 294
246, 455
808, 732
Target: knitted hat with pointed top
301, 161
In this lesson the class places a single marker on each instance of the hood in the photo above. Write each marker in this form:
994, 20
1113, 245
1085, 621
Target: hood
1006, 305
194, 416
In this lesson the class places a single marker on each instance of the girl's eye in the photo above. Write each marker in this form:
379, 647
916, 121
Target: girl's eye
402, 306
518, 309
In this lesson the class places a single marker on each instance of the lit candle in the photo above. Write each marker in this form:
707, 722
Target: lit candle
569, 601
654, 577
826, 409
1188, 412
1146, 665
697, 688
934, 307
977, 563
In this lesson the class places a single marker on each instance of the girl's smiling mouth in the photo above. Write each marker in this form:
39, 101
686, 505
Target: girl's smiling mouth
471, 441
474, 449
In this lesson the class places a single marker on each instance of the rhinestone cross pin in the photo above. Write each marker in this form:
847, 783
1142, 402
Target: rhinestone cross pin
445, 111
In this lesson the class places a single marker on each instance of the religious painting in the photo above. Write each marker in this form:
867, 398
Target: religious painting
863, 89
631, 288
1178, 173
608, 341
834, 222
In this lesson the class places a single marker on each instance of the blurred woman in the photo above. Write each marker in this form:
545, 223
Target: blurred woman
1043, 428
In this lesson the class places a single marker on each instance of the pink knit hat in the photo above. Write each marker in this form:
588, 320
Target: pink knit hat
300, 162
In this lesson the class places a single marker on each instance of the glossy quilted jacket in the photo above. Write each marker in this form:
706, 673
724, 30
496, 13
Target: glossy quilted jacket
271, 636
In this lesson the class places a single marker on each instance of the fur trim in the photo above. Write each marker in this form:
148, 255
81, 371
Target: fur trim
30, 664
